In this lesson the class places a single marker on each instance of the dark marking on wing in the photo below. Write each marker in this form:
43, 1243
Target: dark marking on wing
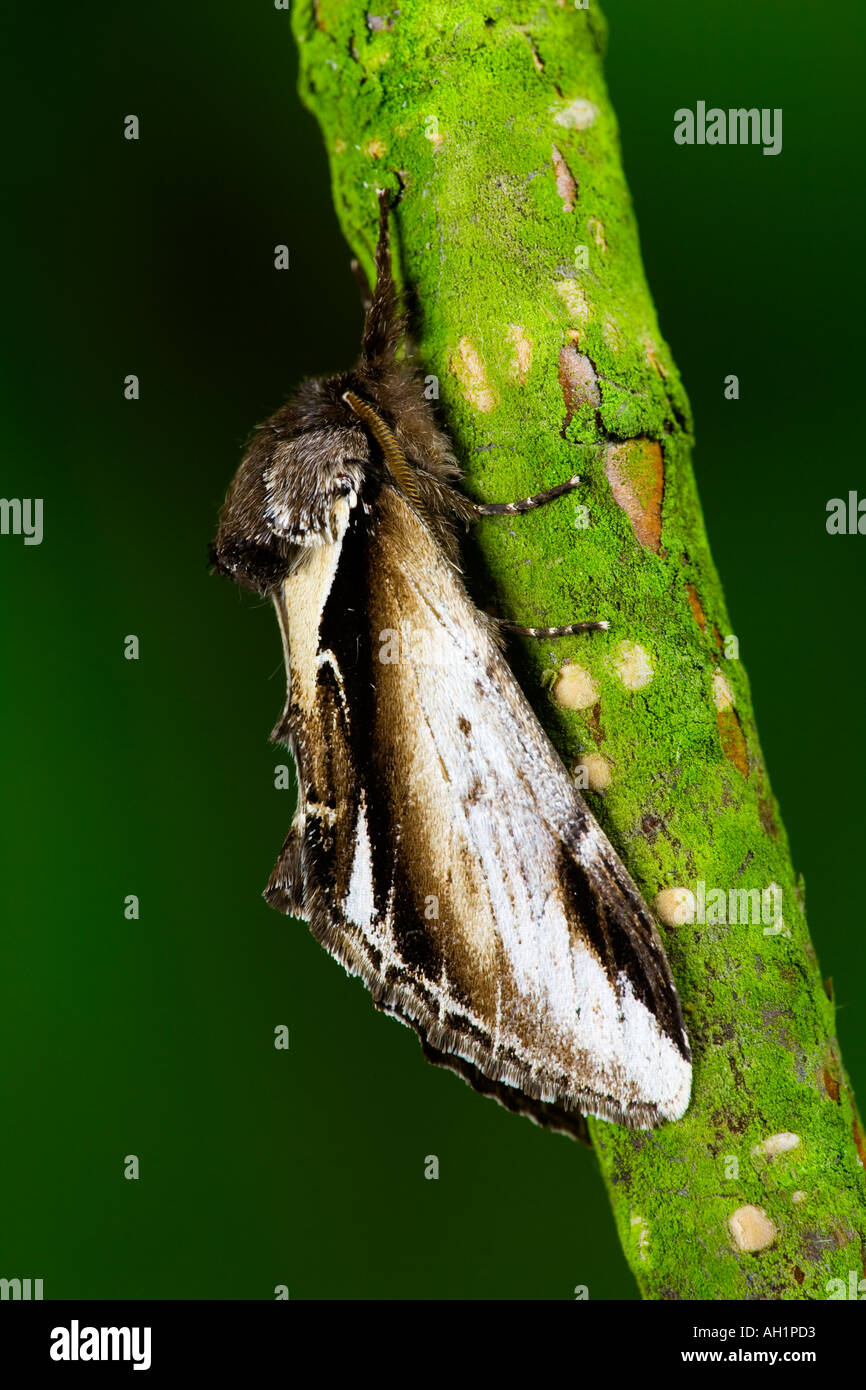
553, 1117
612, 914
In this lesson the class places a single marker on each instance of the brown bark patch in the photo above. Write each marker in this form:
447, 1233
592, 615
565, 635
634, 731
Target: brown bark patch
768, 820
593, 719
815, 1244
700, 616
578, 382
379, 23
566, 185
859, 1141
831, 1075
536, 60
636, 473
733, 742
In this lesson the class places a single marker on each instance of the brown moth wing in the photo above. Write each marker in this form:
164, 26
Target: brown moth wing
446, 856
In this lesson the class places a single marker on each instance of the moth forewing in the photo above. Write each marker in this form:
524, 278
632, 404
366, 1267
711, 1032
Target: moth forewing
440, 849
448, 859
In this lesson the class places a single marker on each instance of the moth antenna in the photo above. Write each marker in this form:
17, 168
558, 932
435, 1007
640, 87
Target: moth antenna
398, 465
383, 324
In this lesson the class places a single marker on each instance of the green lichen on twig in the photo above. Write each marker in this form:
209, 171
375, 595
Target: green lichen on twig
518, 245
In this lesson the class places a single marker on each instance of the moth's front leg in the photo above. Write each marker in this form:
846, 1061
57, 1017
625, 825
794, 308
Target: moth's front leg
564, 630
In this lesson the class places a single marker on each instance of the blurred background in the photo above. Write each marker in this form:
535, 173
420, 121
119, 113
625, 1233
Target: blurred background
154, 777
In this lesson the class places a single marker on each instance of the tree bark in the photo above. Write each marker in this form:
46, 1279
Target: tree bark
519, 248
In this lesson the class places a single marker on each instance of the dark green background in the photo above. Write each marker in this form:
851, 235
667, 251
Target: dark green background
156, 777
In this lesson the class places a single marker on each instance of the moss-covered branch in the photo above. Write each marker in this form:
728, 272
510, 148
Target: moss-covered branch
519, 245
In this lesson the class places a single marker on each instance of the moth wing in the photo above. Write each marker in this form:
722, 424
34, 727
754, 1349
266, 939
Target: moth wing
448, 858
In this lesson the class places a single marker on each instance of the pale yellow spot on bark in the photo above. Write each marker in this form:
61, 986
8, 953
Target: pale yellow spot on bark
798, 1196
375, 148
574, 687
611, 335
574, 299
468, 366
651, 353
751, 1229
597, 771
633, 666
597, 228
521, 361
577, 115
675, 906
776, 1144
642, 1235
339, 145
723, 695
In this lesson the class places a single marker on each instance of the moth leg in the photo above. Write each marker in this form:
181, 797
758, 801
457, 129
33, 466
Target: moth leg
526, 504
601, 625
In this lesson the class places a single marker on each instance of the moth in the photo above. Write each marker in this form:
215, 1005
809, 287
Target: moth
440, 849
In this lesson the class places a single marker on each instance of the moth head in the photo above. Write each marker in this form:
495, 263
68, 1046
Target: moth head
295, 488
